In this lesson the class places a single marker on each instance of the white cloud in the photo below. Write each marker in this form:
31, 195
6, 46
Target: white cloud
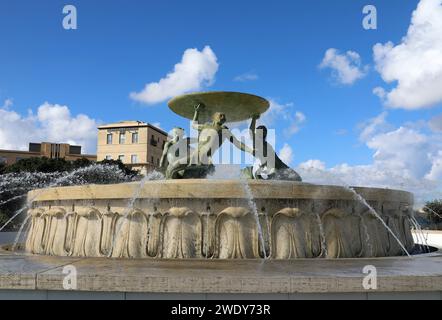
404, 157
196, 70
346, 68
7, 104
52, 123
295, 123
281, 114
436, 168
276, 112
374, 126
435, 123
248, 76
313, 165
416, 63
286, 154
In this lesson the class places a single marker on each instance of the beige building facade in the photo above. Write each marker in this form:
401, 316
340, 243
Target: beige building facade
137, 144
45, 149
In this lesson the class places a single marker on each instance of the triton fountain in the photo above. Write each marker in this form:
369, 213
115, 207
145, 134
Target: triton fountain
190, 233
267, 214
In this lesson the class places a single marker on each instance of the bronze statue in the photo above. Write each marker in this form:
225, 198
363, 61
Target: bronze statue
198, 163
204, 109
267, 165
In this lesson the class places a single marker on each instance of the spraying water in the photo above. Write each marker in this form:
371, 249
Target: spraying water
434, 212
332, 178
420, 234
154, 175
252, 205
323, 239
373, 211
26, 181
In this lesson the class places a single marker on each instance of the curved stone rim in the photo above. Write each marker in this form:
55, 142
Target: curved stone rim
216, 189
237, 106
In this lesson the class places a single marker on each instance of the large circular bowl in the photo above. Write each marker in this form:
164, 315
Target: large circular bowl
218, 219
235, 105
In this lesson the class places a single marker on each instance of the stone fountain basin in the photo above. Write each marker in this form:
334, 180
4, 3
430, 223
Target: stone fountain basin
218, 219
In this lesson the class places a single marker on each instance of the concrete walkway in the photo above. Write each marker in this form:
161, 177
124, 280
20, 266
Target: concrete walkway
42, 277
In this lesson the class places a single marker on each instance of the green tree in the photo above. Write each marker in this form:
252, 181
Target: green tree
38, 164
433, 209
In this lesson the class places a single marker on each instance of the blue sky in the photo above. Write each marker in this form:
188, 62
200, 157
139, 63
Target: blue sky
120, 46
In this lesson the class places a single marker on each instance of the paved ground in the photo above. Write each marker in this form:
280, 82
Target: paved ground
42, 277
7, 237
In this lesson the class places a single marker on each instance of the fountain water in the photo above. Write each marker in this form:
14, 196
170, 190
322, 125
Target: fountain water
179, 225
254, 209
154, 175
24, 182
363, 201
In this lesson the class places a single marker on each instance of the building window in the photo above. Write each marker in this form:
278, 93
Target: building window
108, 157
109, 138
151, 160
122, 137
134, 158
3, 160
121, 158
153, 142
135, 137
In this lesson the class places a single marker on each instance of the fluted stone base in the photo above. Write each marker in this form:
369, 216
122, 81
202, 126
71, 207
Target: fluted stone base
218, 219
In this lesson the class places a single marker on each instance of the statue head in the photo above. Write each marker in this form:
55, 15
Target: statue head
177, 132
261, 132
219, 118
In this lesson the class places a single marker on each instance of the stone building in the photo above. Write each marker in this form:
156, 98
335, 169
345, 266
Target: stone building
137, 144
45, 149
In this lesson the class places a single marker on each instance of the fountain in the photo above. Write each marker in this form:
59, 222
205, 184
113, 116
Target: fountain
266, 232
168, 219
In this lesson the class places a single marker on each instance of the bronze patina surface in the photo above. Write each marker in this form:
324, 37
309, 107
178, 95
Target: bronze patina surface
235, 105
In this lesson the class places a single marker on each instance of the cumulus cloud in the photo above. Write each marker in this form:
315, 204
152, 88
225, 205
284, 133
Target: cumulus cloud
196, 70
286, 154
52, 123
7, 103
415, 64
346, 68
248, 76
435, 123
284, 114
373, 126
404, 157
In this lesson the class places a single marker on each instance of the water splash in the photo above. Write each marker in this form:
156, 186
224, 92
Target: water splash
252, 204
26, 181
373, 211
434, 212
367, 236
322, 176
154, 175
324, 252
420, 234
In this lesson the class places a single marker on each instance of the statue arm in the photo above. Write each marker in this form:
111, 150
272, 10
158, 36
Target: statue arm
195, 124
164, 155
252, 129
240, 145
